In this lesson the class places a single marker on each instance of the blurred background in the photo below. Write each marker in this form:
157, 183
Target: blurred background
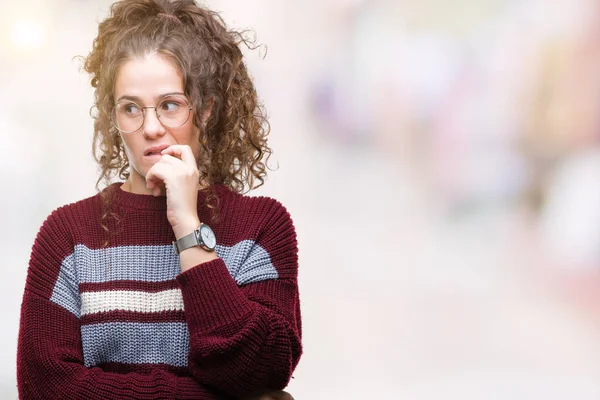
440, 161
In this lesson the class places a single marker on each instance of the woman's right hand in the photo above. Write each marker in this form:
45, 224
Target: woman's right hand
278, 395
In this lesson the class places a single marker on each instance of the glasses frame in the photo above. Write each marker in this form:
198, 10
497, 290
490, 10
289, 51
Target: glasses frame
143, 109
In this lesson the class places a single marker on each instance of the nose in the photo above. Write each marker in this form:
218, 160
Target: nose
152, 127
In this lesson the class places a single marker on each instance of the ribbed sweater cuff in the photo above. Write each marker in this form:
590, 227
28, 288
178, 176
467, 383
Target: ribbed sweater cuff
187, 388
211, 297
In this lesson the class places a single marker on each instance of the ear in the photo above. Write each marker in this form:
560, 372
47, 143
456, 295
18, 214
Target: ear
210, 102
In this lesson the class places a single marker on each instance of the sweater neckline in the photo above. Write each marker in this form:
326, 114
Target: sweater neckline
148, 201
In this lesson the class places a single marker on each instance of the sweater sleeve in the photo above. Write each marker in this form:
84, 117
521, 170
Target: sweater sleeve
246, 338
50, 361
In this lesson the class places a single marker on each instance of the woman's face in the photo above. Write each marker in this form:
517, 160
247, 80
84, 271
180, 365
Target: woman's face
146, 81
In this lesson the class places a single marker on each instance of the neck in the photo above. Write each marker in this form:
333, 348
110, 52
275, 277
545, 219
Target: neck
135, 187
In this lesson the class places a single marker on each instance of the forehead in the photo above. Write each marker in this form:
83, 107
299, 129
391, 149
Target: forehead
147, 77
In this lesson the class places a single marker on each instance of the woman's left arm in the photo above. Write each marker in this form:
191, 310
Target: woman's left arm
242, 340
246, 339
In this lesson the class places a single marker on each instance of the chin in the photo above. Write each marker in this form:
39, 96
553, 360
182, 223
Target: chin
136, 170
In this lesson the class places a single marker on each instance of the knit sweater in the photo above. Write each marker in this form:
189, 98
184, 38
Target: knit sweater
121, 321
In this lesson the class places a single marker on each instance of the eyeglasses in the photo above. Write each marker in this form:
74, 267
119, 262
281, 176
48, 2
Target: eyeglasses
172, 111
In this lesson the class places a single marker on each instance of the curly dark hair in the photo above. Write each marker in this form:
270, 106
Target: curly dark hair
208, 56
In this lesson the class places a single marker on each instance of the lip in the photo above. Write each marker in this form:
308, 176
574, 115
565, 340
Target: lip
155, 150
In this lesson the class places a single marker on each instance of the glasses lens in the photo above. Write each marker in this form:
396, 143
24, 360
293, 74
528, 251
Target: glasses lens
173, 111
127, 116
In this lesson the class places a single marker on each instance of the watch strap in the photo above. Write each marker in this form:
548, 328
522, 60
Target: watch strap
187, 241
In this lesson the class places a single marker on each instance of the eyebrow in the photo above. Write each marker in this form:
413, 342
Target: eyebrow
137, 99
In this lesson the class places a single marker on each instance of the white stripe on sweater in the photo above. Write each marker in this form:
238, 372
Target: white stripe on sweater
129, 300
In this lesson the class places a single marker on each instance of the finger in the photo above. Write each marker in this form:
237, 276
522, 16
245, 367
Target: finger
158, 173
159, 170
278, 395
168, 159
283, 395
184, 152
179, 165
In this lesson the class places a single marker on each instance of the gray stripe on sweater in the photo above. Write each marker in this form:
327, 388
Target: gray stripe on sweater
136, 343
66, 289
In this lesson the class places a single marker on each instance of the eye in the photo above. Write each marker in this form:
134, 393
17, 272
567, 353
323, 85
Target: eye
131, 109
170, 106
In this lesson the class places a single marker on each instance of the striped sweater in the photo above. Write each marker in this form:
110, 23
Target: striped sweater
120, 321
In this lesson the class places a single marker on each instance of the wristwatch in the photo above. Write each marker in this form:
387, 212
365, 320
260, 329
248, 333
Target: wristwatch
203, 237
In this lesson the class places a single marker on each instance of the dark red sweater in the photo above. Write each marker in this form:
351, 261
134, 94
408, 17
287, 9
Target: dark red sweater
122, 322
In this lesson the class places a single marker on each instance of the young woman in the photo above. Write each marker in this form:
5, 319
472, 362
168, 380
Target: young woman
169, 284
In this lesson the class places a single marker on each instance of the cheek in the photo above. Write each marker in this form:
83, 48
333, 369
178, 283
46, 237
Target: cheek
128, 146
190, 136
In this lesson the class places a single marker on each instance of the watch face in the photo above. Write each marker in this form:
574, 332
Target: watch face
208, 237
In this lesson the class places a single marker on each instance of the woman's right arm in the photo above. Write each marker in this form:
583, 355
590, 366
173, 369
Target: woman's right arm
50, 361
